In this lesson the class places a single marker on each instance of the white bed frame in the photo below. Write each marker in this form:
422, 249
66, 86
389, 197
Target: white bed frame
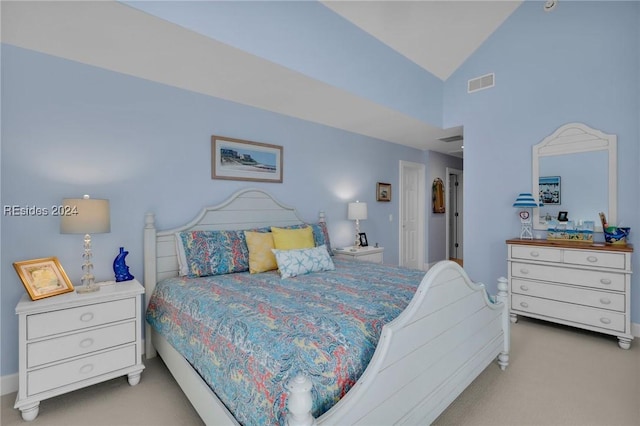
448, 334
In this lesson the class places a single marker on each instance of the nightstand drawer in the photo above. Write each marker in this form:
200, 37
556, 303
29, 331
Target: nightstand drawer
81, 369
64, 320
60, 348
595, 258
583, 277
562, 293
373, 257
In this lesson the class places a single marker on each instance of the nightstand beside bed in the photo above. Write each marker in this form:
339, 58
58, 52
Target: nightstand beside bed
363, 254
71, 341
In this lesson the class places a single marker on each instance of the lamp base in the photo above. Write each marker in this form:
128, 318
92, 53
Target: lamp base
90, 288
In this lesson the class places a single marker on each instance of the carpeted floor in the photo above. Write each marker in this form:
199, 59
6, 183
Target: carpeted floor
557, 376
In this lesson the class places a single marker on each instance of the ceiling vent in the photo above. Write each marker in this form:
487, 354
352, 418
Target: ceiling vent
455, 138
480, 83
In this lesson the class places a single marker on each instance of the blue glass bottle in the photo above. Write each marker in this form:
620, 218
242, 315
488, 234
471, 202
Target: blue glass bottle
120, 267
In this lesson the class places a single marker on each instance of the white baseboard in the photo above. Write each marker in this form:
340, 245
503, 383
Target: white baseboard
635, 329
8, 384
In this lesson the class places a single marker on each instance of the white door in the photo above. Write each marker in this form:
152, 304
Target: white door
412, 214
454, 207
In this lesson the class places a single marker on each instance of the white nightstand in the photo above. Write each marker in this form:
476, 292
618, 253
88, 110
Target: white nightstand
71, 341
365, 254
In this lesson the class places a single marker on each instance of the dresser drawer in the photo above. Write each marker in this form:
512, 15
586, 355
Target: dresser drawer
587, 278
57, 349
77, 370
608, 320
595, 258
580, 296
64, 320
536, 253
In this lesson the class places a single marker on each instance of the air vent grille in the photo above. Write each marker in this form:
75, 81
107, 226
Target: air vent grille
481, 83
455, 138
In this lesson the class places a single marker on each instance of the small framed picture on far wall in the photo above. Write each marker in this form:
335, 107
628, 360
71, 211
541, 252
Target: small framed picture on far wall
383, 191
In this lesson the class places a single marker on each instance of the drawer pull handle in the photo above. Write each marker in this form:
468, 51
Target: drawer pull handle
605, 320
524, 288
86, 317
85, 343
592, 259
605, 281
605, 301
524, 271
87, 368
524, 304
534, 254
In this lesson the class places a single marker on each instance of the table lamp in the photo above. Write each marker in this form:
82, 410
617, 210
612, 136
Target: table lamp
525, 202
357, 211
85, 216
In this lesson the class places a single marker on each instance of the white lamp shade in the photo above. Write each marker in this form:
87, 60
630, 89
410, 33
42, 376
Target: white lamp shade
357, 211
85, 216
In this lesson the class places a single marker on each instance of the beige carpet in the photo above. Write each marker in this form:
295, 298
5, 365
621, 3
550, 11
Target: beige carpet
558, 376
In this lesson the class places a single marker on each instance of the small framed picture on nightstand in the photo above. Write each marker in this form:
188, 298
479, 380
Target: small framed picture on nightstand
363, 239
43, 277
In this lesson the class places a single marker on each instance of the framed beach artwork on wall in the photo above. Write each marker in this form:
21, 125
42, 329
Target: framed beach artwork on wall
237, 159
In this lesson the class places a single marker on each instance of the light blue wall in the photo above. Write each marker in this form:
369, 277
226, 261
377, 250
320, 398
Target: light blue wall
308, 37
70, 129
578, 63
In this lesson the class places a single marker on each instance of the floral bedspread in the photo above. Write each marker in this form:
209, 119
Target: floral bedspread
248, 334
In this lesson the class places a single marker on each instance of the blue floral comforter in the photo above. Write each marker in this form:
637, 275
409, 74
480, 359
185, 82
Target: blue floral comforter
248, 334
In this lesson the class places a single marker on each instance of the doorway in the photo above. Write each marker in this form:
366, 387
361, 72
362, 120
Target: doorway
454, 203
412, 214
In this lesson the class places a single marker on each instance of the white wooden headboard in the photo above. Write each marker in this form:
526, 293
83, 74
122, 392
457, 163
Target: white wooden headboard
248, 208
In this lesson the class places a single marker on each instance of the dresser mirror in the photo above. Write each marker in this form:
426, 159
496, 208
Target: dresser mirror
578, 165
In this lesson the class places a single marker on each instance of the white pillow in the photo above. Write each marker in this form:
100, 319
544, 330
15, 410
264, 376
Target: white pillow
303, 261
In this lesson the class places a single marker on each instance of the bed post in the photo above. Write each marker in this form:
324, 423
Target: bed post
149, 275
321, 217
300, 402
503, 296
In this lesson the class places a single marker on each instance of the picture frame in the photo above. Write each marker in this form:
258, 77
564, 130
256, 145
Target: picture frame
237, 159
43, 277
550, 190
363, 239
563, 216
383, 191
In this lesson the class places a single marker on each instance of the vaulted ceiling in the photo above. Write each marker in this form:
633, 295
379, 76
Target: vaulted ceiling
436, 35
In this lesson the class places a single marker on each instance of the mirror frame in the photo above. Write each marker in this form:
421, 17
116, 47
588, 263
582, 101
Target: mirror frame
574, 138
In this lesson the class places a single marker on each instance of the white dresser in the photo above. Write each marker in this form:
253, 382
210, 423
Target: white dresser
73, 340
578, 284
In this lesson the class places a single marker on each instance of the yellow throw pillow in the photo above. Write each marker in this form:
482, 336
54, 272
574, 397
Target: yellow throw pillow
289, 239
261, 258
